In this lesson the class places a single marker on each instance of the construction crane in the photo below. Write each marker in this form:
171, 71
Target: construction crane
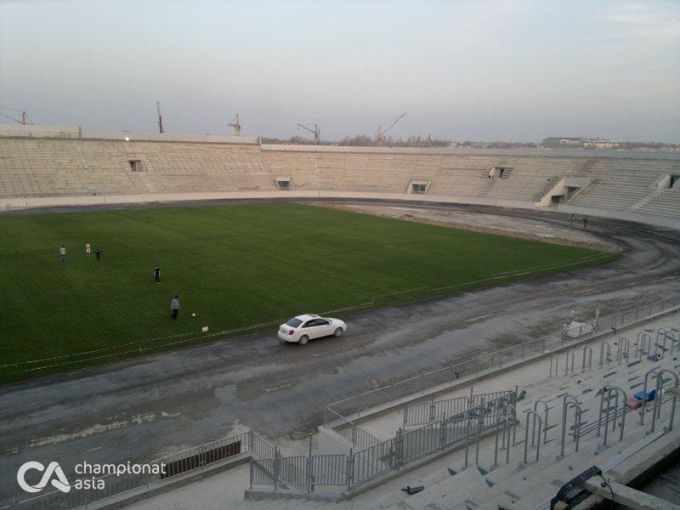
316, 131
160, 118
24, 116
380, 133
237, 126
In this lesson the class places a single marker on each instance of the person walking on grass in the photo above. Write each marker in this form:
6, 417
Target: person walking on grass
98, 253
175, 306
88, 248
157, 274
62, 254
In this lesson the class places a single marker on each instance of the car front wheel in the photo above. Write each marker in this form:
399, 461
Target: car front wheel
338, 332
303, 339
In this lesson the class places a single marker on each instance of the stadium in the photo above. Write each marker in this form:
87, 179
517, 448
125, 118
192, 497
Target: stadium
331, 255
494, 340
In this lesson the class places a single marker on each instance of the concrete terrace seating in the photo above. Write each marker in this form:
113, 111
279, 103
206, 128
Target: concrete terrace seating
33, 168
52, 167
663, 203
624, 183
526, 485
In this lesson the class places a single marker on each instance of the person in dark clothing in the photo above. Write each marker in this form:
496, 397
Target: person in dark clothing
157, 274
585, 222
175, 306
98, 253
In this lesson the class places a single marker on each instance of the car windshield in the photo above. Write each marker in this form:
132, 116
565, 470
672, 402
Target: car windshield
294, 322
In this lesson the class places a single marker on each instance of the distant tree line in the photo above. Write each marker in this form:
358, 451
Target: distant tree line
428, 141
295, 140
411, 141
496, 145
365, 141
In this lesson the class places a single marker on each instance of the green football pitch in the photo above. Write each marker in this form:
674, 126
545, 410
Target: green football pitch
239, 268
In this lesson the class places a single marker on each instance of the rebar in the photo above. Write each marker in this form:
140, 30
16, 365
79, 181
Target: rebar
506, 432
567, 402
607, 394
546, 410
536, 417
657, 398
649, 373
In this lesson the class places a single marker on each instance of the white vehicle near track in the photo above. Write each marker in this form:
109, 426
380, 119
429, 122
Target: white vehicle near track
306, 327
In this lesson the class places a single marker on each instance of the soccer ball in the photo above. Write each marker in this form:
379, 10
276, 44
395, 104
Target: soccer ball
193, 315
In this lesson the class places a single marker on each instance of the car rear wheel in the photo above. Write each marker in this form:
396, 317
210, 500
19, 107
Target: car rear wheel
303, 339
338, 332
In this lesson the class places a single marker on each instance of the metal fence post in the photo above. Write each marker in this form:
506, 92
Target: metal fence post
468, 422
350, 469
480, 423
443, 433
276, 468
310, 468
251, 471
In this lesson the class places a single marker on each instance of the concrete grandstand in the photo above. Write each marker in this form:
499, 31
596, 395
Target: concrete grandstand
459, 432
44, 165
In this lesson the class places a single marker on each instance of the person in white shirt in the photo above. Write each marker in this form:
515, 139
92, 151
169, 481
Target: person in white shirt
62, 254
175, 306
88, 248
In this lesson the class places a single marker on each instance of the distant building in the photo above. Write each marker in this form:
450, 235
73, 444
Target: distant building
575, 142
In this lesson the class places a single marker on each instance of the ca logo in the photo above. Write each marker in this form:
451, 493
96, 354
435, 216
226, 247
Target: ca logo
60, 482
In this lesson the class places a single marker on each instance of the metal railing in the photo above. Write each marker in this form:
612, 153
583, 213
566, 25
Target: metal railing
659, 394
308, 473
299, 473
422, 413
184, 461
355, 435
351, 408
492, 413
620, 352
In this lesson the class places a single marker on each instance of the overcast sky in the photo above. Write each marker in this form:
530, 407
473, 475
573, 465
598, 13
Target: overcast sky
497, 70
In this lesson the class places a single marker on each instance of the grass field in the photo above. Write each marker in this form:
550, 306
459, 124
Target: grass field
234, 266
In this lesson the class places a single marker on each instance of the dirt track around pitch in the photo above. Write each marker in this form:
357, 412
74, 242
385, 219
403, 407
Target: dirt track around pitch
145, 408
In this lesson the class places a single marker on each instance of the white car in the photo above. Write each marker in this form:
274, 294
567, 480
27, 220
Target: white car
305, 327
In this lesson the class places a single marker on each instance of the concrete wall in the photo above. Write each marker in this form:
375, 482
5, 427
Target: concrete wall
538, 153
21, 203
